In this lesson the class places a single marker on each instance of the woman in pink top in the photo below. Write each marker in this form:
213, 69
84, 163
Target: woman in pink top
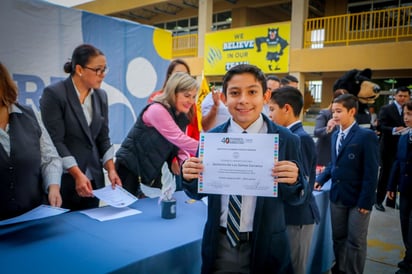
158, 134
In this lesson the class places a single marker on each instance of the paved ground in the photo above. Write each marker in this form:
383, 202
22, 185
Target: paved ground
385, 247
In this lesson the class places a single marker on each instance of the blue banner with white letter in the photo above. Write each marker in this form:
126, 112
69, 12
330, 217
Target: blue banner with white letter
39, 37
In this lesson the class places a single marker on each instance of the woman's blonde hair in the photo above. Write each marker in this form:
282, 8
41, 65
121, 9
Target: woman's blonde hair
178, 82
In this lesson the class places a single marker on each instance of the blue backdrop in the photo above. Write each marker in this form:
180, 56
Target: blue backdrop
39, 37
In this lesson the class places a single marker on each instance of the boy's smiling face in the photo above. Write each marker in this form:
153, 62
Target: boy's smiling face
244, 99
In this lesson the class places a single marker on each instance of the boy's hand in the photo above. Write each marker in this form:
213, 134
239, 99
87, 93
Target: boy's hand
317, 186
363, 211
285, 172
390, 195
191, 168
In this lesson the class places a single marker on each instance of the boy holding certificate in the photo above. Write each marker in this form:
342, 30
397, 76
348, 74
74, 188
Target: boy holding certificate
285, 106
244, 233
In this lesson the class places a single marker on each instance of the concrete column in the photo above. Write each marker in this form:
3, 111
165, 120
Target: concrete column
300, 11
205, 24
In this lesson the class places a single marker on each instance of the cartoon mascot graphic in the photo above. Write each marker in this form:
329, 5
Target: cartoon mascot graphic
275, 46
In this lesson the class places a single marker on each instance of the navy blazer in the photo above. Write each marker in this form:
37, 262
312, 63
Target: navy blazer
324, 139
308, 212
354, 172
270, 246
401, 173
64, 119
389, 118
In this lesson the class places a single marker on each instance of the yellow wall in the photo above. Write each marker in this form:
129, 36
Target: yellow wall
382, 56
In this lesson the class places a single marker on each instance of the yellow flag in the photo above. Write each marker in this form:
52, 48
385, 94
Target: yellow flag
204, 90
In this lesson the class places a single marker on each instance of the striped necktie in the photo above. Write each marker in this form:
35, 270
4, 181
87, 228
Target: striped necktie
233, 218
341, 139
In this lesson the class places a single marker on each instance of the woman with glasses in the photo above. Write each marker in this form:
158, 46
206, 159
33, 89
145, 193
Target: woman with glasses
75, 112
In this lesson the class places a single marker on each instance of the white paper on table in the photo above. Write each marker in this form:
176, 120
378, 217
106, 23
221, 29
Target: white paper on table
117, 197
238, 164
109, 213
42, 211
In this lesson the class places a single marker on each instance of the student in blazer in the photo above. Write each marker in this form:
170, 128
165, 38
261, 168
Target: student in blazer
75, 113
401, 180
285, 106
353, 171
263, 245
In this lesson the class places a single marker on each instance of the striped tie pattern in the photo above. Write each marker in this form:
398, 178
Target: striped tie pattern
341, 138
233, 219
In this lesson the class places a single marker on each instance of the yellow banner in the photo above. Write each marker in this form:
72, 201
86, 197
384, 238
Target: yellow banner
204, 90
265, 46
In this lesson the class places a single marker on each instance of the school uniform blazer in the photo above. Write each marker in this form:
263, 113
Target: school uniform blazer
324, 139
389, 118
401, 173
64, 119
308, 212
354, 172
269, 243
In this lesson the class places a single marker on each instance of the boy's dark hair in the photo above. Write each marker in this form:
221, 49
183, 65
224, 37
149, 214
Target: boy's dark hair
403, 89
408, 105
244, 68
348, 101
273, 78
288, 95
289, 78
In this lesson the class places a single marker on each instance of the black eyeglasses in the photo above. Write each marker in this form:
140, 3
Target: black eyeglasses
99, 71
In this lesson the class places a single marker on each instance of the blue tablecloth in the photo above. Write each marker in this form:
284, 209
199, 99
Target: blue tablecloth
143, 243
74, 243
321, 253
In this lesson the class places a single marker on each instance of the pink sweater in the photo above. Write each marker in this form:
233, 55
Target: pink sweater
159, 117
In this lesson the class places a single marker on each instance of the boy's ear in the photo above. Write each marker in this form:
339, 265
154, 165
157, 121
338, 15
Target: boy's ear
266, 96
352, 112
223, 98
288, 108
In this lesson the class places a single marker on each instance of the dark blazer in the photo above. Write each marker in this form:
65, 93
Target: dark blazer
401, 173
389, 118
324, 139
270, 247
308, 212
354, 172
64, 119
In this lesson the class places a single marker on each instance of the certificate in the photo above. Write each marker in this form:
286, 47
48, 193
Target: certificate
238, 164
117, 197
42, 211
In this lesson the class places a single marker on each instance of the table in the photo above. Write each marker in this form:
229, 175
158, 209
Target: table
321, 254
74, 243
143, 243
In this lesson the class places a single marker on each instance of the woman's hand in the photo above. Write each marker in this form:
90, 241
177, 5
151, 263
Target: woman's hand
55, 199
175, 167
114, 178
